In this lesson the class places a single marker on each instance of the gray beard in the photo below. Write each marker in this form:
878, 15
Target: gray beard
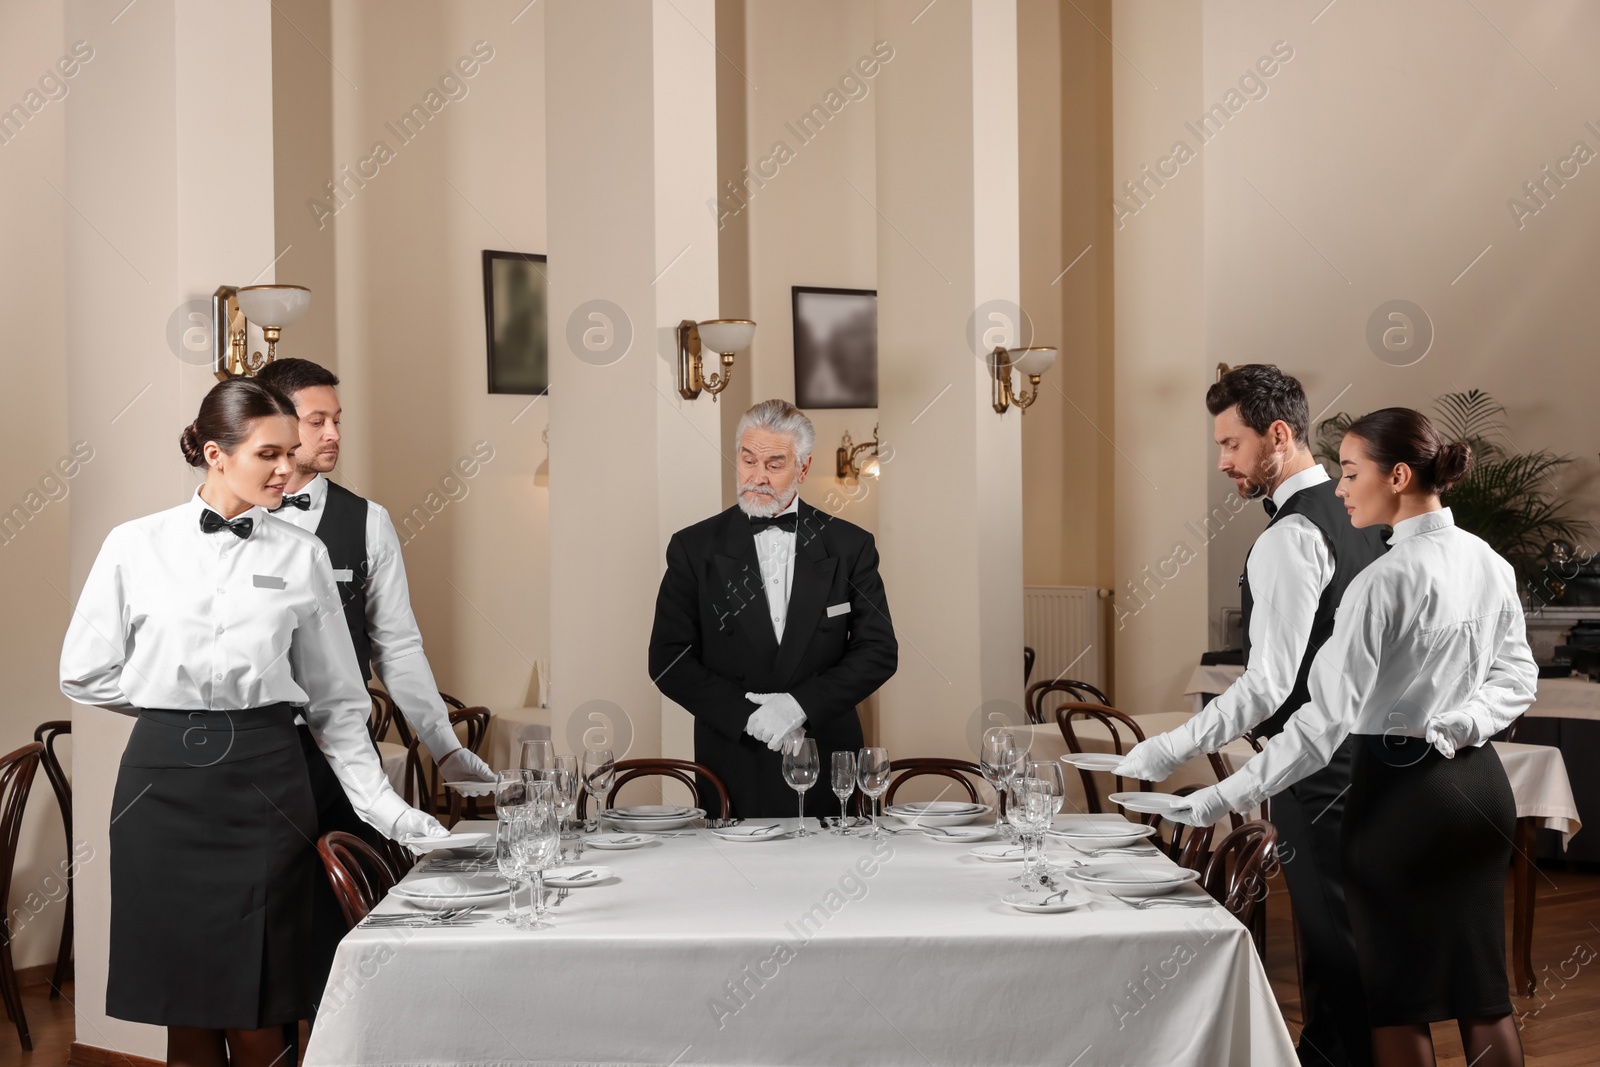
763, 510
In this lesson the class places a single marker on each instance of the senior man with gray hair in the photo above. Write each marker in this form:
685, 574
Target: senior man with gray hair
771, 620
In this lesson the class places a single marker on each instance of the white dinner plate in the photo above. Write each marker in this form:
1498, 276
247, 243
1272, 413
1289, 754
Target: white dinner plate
472, 789
1093, 761
445, 890
1133, 879
623, 822
619, 841
997, 853
575, 876
1150, 803
755, 831
958, 835
424, 843
1045, 903
924, 815
652, 811
1106, 834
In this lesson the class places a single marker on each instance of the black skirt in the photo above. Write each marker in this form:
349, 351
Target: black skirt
211, 871
1425, 849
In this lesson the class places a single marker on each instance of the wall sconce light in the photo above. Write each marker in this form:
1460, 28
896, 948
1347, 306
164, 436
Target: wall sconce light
271, 307
723, 336
1032, 362
847, 466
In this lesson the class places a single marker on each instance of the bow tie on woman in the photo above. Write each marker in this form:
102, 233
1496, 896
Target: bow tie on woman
211, 522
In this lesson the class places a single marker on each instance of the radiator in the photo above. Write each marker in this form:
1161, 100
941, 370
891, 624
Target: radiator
1066, 628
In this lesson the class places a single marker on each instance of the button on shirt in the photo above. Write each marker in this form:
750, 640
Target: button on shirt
1290, 566
175, 618
397, 657
775, 555
1433, 626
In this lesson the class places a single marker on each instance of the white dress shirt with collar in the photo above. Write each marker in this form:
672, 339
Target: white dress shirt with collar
775, 554
1289, 567
174, 618
397, 657
1433, 627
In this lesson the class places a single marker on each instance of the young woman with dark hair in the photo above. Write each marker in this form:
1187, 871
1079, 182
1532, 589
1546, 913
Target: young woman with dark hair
214, 624
1429, 658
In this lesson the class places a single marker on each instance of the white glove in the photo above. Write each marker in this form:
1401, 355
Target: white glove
778, 714
1450, 731
1200, 808
419, 823
1151, 760
462, 766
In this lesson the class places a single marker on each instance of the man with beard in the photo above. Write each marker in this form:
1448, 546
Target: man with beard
771, 620
1294, 577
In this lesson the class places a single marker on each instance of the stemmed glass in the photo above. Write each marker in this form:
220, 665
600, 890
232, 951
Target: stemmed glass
563, 779
599, 768
508, 853
995, 760
844, 784
539, 844
1029, 812
872, 774
1055, 783
537, 757
800, 769
510, 793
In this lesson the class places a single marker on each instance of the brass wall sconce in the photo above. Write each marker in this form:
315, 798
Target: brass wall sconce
1032, 362
722, 336
847, 468
271, 307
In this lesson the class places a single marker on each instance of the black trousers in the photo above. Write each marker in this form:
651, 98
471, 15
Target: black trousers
1309, 816
333, 812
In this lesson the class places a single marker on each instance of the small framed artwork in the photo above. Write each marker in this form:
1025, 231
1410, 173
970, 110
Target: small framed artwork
515, 295
835, 347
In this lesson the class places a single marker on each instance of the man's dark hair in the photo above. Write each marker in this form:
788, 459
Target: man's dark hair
289, 376
1264, 394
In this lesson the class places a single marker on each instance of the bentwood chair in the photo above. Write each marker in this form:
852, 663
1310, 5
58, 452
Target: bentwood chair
701, 781
16, 780
1187, 846
358, 873
1029, 657
964, 773
451, 701
47, 734
1037, 693
1116, 723
1236, 875
423, 787
383, 716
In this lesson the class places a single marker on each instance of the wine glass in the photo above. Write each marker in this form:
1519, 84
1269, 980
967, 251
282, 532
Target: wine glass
599, 768
508, 853
537, 757
1013, 763
510, 793
844, 784
563, 779
1050, 773
1029, 803
995, 758
872, 774
539, 847
800, 769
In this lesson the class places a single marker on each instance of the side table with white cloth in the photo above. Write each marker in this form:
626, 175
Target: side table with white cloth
817, 951
508, 728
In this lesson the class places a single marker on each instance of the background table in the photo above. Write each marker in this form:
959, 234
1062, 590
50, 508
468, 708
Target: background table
502, 744
810, 952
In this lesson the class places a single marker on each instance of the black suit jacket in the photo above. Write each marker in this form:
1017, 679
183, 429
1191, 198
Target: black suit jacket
713, 642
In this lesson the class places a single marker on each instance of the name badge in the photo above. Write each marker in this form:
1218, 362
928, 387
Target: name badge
838, 609
343, 574
269, 581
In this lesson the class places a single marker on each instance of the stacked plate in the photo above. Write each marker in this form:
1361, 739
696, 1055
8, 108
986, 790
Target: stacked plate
440, 890
1133, 878
653, 816
424, 843
939, 812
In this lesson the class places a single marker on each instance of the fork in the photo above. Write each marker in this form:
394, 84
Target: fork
561, 894
1096, 853
1165, 902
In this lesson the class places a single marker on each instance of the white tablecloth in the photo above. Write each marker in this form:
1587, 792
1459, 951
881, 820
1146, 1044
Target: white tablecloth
814, 952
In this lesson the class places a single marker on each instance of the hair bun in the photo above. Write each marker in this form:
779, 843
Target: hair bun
193, 451
1451, 465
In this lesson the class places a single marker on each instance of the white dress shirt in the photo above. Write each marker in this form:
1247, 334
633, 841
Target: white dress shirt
397, 657
1289, 567
175, 618
1433, 626
775, 554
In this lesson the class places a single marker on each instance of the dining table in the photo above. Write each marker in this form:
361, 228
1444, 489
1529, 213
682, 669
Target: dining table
804, 952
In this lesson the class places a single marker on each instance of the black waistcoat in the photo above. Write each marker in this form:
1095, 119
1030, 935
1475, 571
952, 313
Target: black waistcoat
1352, 550
343, 530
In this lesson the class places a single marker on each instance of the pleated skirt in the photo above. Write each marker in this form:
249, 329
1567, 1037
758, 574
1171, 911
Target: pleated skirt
212, 864
1425, 849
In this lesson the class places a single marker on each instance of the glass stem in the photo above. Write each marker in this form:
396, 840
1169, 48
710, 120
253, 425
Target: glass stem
800, 794
538, 895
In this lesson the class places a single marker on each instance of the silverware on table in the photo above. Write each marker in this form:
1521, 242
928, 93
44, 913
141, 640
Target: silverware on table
561, 894
1165, 902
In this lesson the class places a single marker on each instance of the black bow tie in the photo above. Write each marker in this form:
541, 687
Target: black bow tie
1272, 509
299, 500
211, 522
787, 521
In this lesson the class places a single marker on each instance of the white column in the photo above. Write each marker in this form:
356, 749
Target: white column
948, 247
169, 178
632, 154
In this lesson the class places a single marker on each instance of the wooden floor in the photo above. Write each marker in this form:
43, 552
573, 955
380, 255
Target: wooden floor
1560, 1026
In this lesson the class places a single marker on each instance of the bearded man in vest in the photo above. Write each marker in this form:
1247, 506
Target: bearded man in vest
1295, 575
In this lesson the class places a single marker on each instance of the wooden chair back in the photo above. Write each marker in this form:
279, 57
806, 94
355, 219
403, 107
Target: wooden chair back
384, 717
1036, 694
16, 781
1116, 723
680, 770
359, 874
1029, 656
451, 702
959, 770
47, 734
1236, 874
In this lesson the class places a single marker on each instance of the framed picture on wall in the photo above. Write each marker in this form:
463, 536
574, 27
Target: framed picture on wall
835, 347
514, 313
